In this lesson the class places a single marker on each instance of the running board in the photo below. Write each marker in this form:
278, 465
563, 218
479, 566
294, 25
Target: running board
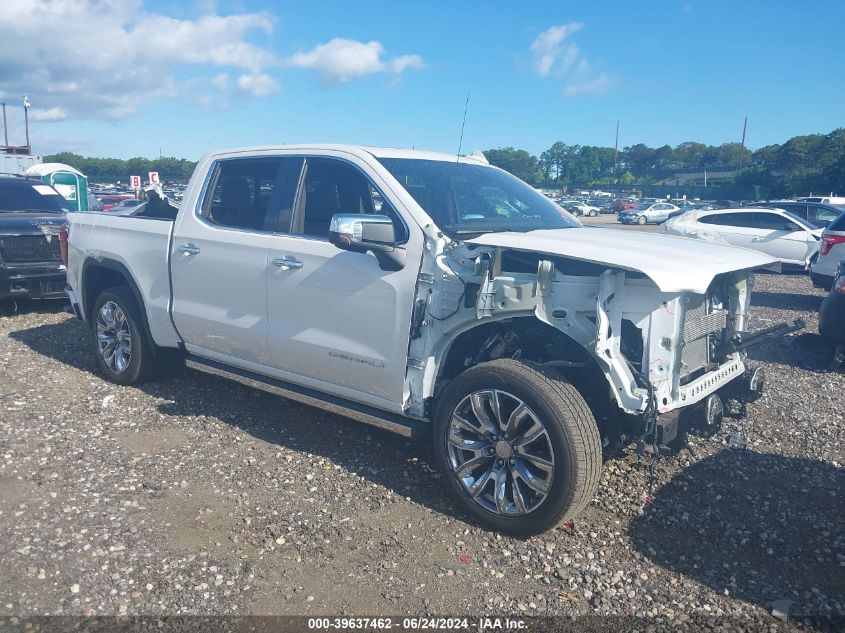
404, 426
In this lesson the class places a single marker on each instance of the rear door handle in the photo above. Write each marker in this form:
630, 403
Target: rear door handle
286, 263
189, 249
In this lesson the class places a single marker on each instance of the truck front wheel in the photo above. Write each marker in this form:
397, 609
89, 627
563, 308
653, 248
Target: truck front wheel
517, 445
124, 355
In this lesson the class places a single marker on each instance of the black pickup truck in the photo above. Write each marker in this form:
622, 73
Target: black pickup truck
31, 216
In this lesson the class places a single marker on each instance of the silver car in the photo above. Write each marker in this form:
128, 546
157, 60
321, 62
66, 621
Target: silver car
648, 213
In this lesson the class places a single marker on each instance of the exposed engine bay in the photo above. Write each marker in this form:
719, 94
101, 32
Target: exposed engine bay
612, 332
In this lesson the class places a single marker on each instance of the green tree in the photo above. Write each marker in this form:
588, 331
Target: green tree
516, 161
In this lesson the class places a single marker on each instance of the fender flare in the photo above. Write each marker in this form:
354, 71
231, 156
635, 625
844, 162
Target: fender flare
118, 267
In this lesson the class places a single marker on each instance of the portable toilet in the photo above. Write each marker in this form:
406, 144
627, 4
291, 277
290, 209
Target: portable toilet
69, 182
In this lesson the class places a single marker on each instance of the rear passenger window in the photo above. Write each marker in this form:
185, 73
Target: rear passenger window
245, 193
743, 220
772, 222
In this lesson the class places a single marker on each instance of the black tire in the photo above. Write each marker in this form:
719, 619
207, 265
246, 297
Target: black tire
642, 220
593, 213
572, 433
142, 364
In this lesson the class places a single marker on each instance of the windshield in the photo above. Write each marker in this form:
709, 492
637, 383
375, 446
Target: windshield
21, 196
465, 198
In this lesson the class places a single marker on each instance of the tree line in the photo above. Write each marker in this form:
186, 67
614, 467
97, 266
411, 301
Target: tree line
803, 164
116, 169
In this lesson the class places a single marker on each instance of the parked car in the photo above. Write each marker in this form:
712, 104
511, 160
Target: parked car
778, 233
112, 200
818, 214
623, 204
467, 308
128, 203
94, 203
647, 213
582, 208
31, 216
702, 206
832, 310
834, 200
832, 249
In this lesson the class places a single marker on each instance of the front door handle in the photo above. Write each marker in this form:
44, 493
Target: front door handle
189, 249
286, 263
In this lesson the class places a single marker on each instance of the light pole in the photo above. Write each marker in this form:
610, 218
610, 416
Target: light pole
26, 121
26, 105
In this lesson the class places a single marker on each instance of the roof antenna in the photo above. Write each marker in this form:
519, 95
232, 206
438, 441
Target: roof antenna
461, 142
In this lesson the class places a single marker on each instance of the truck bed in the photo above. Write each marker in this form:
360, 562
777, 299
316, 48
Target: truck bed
141, 246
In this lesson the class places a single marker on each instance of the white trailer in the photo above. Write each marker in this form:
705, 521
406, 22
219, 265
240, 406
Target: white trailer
17, 164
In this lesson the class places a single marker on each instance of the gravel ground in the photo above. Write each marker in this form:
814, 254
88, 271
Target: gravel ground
195, 495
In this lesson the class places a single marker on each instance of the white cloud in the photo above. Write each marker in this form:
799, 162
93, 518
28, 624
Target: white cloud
53, 114
220, 81
597, 85
257, 85
341, 60
548, 46
570, 56
553, 55
104, 58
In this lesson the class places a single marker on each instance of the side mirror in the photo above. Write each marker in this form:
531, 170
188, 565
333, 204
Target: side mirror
360, 232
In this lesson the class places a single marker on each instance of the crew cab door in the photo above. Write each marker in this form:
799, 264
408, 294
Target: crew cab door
336, 321
219, 259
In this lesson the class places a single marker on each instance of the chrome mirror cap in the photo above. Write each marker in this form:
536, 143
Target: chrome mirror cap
349, 227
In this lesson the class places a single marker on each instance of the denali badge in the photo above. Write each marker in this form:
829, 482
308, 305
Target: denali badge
357, 359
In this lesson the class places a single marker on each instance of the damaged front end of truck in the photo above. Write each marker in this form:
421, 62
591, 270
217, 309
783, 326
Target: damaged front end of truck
642, 341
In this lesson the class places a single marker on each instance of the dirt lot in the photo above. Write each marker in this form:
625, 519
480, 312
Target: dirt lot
194, 495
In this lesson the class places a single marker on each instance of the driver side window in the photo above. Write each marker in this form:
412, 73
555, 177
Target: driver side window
331, 186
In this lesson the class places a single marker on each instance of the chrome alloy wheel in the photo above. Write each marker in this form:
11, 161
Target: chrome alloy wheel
114, 338
500, 452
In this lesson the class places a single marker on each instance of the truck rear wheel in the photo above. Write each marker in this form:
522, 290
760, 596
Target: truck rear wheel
518, 446
124, 354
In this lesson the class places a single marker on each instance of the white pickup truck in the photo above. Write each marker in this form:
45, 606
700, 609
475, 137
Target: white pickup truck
424, 292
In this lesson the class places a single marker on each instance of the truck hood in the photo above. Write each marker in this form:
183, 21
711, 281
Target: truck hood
674, 264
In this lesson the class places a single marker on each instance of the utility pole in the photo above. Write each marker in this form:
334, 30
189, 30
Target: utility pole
26, 121
616, 154
5, 129
742, 143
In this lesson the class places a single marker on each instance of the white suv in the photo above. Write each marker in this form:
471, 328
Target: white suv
832, 250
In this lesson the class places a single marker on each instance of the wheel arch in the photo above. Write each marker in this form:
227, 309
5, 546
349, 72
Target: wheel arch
527, 334
588, 378
97, 275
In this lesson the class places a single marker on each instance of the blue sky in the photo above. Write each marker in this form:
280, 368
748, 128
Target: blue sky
127, 78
